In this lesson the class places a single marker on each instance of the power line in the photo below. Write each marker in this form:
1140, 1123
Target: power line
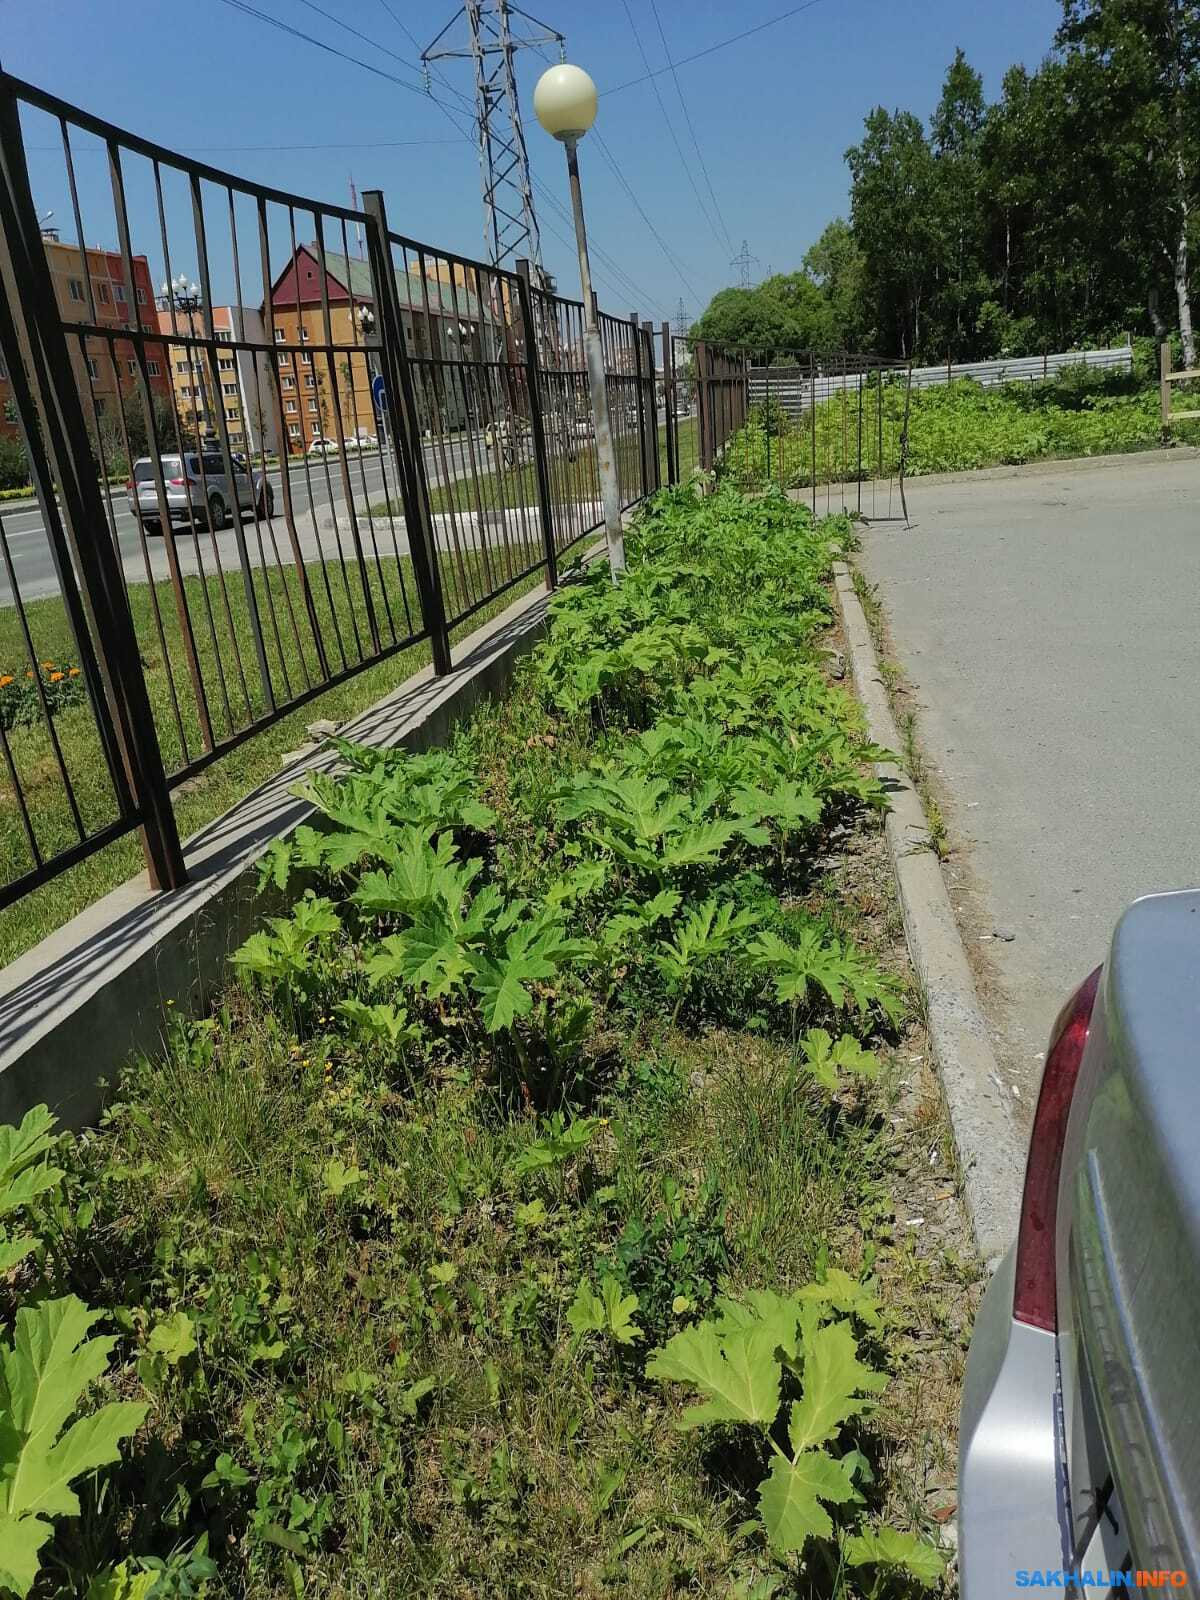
687, 117
711, 49
672, 259
670, 125
309, 38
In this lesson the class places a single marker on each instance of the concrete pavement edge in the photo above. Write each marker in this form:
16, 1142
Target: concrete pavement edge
990, 1150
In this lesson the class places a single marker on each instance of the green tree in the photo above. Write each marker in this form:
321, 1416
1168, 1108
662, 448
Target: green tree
1134, 72
894, 215
785, 313
956, 136
836, 264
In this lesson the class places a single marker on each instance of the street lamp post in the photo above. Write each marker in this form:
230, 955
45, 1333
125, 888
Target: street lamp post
565, 105
183, 296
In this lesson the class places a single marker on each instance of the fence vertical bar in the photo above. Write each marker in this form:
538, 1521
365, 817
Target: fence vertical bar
1164, 383
26, 280
537, 422
703, 425
640, 391
812, 412
670, 411
406, 432
651, 406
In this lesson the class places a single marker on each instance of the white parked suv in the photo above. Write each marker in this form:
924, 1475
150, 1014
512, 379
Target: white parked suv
198, 489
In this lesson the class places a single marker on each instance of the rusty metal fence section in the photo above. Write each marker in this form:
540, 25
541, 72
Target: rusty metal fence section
722, 398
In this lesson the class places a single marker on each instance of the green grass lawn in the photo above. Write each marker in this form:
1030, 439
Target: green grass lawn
234, 695
569, 480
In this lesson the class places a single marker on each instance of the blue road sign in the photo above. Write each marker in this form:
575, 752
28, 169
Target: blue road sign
379, 393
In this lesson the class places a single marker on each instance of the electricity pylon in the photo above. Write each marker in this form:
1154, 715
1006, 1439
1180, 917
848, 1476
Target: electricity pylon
509, 222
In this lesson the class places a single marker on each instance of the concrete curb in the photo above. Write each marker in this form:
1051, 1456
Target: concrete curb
990, 1150
1027, 469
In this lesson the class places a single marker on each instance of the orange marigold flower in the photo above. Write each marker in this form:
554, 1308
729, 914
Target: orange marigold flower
57, 677
5, 680
48, 665
74, 672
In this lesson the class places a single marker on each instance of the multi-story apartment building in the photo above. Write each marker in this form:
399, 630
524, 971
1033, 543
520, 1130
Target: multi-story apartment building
444, 323
240, 389
91, 287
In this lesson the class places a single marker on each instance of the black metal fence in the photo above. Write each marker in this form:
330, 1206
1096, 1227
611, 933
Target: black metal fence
332, 444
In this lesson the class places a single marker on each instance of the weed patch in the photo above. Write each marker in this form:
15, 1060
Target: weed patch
515, 1223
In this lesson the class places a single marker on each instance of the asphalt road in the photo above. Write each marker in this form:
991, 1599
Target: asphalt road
318, 497
1050, 623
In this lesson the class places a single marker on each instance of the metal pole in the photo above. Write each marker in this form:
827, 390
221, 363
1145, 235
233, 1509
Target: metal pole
537, 423
1164, 383
670, 418
606, 461
406, 432
25, 278
767, 417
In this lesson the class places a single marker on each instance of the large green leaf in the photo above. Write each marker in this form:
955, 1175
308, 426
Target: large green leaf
837, 1386
20, 1148
43, 1375
890, 1547
789, 1499
737, 1370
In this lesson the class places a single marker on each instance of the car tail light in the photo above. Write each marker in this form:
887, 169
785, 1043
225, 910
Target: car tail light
176, 483
1035, 1296
128, 485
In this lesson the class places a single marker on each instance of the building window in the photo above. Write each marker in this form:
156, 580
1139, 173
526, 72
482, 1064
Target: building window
236, 438
284, 358
312, 405
75, 288
289, 405
152, 368
92, 371
100, 404
288, 383
141, 295
231, 412
293, 430
229, 388
118, 290
181, 366
304, 335
131, 367
305, 359
102, 294
3, 371
223, 336
226, 363
279, 336
308, 382
316, 428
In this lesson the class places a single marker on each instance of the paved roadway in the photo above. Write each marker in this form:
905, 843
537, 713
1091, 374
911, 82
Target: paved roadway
30, 549
1050, 621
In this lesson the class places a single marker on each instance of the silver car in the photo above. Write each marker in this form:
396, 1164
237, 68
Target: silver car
198, 489
1079, 1448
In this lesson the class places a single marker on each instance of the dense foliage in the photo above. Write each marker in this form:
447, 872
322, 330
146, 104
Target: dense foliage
951, 428
1062, 214
544, 1104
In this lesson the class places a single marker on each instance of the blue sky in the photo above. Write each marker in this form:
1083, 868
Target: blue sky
773, 113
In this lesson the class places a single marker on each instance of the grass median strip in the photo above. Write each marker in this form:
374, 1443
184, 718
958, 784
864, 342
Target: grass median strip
292, 660
523, 1220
